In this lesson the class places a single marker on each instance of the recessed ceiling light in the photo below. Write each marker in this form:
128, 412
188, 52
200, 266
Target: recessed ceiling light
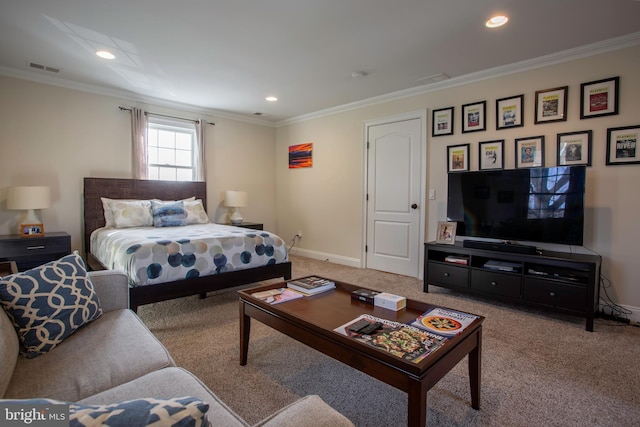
104, 54
496, 21
271, 98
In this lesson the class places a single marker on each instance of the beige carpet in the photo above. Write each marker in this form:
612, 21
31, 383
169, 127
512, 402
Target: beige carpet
538, 368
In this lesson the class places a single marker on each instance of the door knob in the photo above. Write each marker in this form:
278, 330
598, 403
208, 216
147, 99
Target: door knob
414, 206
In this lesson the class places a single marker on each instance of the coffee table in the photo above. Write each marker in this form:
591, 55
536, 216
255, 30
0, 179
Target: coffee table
312, 320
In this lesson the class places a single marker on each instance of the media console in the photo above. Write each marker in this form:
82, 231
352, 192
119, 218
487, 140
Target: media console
566, 282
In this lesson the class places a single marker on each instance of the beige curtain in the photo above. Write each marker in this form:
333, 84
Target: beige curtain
199, 151
139, 143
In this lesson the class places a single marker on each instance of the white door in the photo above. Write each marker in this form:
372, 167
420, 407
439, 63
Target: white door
394, 196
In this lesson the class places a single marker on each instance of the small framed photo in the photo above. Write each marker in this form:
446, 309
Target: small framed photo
446, 232
509, 112
574, 148
491, 154
599, 98
530, 152
31, 230
622, 145
458, 158
551, 105
473, 117
442, 122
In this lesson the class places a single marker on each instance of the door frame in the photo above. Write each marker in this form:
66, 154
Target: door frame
422, 116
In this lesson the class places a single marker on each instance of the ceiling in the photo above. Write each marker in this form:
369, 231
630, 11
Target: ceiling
225, 57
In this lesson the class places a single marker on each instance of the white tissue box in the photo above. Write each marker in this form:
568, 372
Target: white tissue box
390, 301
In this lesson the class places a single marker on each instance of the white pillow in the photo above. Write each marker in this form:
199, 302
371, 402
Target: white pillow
196, 213
131, 213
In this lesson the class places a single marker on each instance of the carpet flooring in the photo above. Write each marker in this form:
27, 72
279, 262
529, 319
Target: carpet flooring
538, 368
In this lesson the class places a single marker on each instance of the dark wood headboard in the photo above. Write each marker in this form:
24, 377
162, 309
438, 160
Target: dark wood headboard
117, 188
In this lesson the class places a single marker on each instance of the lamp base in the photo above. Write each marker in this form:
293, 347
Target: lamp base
235, 218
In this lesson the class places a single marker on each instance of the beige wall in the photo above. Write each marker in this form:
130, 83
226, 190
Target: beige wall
55, 136
325, 201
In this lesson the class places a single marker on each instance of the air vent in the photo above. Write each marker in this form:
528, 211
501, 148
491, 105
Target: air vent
44, 67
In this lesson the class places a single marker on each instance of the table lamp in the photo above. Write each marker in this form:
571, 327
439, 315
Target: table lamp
235, 200
29, 198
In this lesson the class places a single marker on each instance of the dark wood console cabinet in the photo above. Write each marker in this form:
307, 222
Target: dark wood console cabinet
567, 282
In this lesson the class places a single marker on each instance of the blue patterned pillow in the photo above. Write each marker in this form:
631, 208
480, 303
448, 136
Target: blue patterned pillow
181, 411
168, 214
48, 303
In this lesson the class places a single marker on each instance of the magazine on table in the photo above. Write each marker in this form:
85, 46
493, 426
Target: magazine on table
401, 340
444, 321
311, 285
276, 296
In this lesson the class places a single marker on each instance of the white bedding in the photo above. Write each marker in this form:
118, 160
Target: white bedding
151, 255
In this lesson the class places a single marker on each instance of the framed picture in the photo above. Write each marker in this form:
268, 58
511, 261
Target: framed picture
530, 152
599, 98
622, 145
31, 230
446, 232
301, 155
551, 105
509, 112
442, 122
574, 148
473, 117
491, 154
458, 158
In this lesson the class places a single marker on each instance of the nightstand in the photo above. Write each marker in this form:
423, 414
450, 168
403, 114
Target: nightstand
29, 252
246, 224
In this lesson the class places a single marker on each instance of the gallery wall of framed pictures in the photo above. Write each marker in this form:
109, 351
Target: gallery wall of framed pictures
598, 98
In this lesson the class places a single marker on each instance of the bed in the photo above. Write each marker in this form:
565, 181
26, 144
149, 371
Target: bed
151, 291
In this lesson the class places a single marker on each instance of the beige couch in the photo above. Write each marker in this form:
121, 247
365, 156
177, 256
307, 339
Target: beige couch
116, 358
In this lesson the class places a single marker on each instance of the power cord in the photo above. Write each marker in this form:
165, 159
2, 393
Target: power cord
293, 243
615, 311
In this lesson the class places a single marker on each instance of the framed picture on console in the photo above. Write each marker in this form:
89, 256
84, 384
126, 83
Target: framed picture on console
574, 148
446, 232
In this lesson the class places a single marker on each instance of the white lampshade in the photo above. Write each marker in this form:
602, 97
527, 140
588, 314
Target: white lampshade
235, 199
24, 198
29, 199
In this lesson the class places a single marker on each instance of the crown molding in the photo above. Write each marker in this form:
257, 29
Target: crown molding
593, 49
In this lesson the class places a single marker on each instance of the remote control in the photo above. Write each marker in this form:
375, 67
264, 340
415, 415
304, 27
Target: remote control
368, 330
359, 325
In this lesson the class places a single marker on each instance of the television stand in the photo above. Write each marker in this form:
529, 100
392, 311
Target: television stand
515, 248
556, 281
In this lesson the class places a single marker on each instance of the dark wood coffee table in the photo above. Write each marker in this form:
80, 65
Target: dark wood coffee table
312, 320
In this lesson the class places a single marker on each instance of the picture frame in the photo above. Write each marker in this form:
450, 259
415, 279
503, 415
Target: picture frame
551, 105
491, 154
622, 145
599, 98
509, 112
574, 148
32, 230
530, 152
458, 158
442, 121
446, 233
301, 155
473, 117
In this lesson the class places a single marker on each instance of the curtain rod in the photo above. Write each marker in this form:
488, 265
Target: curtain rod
163, 115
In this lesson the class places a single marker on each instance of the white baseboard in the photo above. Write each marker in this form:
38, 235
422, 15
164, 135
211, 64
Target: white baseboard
322, 256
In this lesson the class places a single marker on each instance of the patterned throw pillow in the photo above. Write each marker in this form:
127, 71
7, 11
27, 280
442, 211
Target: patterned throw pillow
180, 411
195, 212
48, 303
168, 214
131, 213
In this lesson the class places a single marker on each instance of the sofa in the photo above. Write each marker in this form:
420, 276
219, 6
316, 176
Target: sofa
110, 360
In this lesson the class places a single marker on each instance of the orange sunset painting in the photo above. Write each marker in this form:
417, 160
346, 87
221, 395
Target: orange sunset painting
301, 155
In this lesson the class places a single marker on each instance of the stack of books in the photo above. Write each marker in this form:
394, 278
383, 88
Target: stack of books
457, 260
311, 285
276, 296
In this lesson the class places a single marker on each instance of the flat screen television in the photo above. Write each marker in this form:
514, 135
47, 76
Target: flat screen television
534, 204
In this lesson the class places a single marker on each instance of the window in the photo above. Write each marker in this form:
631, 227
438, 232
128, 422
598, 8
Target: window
171, 149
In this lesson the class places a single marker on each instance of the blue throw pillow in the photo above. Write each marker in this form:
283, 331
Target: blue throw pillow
168, 214
180, 411
48, 303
